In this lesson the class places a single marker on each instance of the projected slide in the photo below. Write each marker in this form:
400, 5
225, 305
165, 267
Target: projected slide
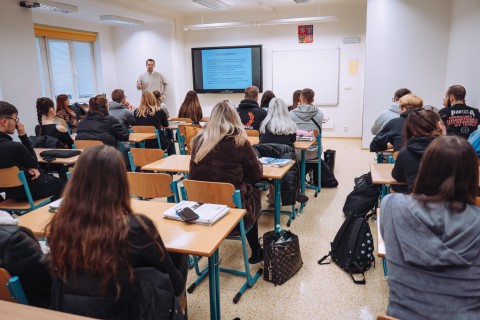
227, 68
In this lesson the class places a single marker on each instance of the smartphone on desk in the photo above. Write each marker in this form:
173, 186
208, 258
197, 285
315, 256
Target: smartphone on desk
187, 214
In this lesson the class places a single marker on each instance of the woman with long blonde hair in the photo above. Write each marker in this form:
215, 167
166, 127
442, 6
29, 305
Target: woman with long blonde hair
221, 152
97, 241
191, 108
147, 114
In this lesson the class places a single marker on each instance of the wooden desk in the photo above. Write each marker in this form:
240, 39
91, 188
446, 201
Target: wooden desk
64, 161
177, 236
140, 137
382, 174
181, 163
174, 124
11, 310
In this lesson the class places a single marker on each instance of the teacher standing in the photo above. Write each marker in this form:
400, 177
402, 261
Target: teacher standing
151, 80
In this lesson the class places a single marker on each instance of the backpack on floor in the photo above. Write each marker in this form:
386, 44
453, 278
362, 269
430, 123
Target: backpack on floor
352, 248
363, 197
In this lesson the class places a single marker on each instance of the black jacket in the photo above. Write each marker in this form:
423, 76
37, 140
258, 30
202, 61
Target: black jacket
107, 129
392, 133
21, 255
17, 154
150, 297
460, 119
251, 114
268, 137
81, 294
52, 131
408, 162
290, 180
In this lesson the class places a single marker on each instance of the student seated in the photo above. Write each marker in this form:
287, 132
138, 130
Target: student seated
267, 96
147, 114
97, 244
47, 126
391, 113
119, 108
392, 133
21, 256
160, 104
221, 152
432, 237
251, 115
421, 127
66, 113
23, 156
191, 108
99, 125
295, 100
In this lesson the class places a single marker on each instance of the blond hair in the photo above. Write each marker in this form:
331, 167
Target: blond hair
148, 105
224, 121
410, 101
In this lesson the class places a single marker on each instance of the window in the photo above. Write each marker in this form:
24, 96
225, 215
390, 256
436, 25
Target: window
67, 65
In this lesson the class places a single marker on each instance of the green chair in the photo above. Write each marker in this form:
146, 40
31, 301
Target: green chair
10, 288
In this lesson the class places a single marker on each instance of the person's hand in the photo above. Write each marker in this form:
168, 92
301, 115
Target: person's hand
325, 120
34, 173
20, 128
128, 105
139, 85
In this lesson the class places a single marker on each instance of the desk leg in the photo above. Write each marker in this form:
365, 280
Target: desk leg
277, 183
302, 177
214, 285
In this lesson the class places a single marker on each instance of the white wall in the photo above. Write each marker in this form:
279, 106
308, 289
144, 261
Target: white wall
19, 72
284, 37
463, 66
407, 43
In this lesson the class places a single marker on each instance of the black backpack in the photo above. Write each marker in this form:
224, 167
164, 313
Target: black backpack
363, 198
352, 248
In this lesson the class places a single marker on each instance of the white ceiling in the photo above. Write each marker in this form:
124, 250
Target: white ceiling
155, 10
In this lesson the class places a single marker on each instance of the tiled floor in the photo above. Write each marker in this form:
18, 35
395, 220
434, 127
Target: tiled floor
315, 292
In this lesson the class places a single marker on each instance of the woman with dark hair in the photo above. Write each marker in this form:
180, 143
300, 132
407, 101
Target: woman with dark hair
221, 152
99, 125
266, 97
160, 104
432, 237
46, 123
147, 114
295, 100
191, 108
98, 243
421, 127
64, 112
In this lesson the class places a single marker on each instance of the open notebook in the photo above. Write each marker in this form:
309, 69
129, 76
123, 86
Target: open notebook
274, 162
208, 213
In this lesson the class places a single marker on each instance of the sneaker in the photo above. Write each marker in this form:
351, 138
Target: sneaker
254, 259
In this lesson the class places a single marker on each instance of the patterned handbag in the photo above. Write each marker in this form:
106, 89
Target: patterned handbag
282, 257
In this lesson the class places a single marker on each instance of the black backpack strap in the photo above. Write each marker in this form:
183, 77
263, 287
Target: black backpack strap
352, 240
325, 257
358, 281
318, 126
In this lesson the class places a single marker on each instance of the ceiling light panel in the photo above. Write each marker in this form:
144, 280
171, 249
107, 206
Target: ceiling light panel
213, 4
121, 20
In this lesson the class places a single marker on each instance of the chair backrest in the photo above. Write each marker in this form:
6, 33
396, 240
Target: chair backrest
385, 317
210, 192
252, 133
140, 157
143, 129
182, 127
9, 177
186, 120
477, 201
205, 119
150, 185
85, 144
10, 288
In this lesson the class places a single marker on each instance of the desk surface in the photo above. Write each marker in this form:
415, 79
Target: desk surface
64, 161
181, 163
139, 137
11, 310
174, 124
299, 145
382, 174
178, 236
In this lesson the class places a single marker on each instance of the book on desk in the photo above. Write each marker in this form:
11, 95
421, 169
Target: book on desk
305, 138
274, 162
208, 213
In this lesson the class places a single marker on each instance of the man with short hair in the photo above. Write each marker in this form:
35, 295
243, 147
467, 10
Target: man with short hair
23, 156
459, 119
151, 80
249, 111
390, 113
118, 109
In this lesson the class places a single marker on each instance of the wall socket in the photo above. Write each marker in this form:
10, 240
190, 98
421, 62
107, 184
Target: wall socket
345, 129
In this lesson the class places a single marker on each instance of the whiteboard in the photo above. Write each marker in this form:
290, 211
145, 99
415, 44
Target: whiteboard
299, 69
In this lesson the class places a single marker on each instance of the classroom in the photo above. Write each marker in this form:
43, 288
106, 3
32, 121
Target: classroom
425, 46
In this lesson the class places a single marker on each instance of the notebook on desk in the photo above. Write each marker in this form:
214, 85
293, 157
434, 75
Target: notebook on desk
274, 162
305, 138
208, 213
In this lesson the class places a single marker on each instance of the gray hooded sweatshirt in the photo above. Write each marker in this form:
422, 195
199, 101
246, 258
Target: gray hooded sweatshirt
121, 112
433, 259
303, 114
385, 116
